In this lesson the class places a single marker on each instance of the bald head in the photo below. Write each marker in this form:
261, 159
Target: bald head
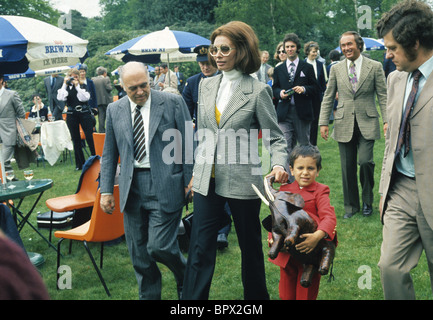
135, 80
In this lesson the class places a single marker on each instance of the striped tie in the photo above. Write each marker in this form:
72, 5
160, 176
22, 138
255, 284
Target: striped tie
139, 136
404, 134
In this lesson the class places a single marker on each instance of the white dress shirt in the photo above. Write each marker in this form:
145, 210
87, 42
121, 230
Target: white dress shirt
145, 113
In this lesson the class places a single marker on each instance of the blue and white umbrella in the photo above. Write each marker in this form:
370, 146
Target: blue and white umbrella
30, 43
31, 73
370, 44
164, 45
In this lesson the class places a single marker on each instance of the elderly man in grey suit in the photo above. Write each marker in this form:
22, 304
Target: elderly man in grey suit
406, 183
11, 108
262, 73
103, 95
143, 128
358, 80
52, 84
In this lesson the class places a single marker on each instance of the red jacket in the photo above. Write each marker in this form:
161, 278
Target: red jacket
318, 206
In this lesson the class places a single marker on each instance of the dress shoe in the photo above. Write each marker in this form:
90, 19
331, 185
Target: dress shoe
348, 215
222, 241
367, 210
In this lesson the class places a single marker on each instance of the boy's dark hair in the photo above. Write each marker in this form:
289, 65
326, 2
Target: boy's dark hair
306, 151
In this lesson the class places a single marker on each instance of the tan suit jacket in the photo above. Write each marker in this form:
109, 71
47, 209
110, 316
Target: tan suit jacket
360, 105
421, 139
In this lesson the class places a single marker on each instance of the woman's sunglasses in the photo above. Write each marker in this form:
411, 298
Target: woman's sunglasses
224, 49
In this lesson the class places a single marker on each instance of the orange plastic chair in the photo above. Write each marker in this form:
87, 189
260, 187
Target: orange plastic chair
102, 227
84, 198
27, 114
98, 140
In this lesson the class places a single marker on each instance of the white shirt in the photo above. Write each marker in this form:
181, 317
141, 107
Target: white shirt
314, 64
1, 92
229, 81
82, 95
145, 113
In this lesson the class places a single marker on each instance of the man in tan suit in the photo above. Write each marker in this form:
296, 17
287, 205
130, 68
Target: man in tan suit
358, 80
406, 184
170, 80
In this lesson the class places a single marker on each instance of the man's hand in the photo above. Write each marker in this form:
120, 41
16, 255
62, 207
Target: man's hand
385, 128
107, 203
324, 132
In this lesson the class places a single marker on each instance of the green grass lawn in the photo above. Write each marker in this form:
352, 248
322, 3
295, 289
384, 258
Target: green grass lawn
355, 269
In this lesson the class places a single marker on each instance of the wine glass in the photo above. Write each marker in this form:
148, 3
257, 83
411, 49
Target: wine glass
42, 118
28, 174
10, 175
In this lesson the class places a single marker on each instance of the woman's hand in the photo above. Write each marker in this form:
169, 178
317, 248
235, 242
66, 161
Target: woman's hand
281, 176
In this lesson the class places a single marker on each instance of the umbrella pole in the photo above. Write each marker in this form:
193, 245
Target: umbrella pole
168, 65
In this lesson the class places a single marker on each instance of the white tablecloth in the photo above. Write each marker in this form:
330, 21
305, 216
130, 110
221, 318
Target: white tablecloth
55, 138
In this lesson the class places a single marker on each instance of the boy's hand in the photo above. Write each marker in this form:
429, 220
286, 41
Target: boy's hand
310, 242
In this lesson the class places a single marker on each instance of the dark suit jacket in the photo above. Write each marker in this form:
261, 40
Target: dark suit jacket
55, 105
168, 116
304, 77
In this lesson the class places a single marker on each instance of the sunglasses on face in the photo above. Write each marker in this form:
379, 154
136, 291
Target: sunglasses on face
281, 51
224, 49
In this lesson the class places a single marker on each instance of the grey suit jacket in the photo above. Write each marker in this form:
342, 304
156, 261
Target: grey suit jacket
259, 75
421, 135
232, 144
11, 108
103, 90
167, 111
360, 106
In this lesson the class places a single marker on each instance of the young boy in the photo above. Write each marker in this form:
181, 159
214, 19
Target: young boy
305, 164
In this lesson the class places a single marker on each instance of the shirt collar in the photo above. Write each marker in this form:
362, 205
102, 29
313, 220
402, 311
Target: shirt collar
133, 105
426, 68
357, 62
296, 62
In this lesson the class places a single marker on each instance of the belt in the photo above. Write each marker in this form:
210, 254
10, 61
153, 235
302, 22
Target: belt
141, 169
78, 108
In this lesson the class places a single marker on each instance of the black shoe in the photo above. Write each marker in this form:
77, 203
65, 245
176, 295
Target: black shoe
367, 210
348, 215
222, 241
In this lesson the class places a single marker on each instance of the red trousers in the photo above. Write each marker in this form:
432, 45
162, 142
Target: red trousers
290, 286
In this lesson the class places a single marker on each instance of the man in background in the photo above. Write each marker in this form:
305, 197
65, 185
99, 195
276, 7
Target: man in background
52, 84
103, 95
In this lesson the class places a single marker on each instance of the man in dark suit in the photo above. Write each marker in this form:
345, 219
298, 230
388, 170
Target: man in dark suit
103, 95
180, 79
152, 183
294, 109
52, 84
11, 108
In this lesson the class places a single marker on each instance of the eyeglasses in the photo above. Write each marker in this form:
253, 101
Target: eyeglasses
224, 49
281, 51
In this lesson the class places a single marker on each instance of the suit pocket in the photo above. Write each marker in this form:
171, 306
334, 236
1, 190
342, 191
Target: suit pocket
339, 113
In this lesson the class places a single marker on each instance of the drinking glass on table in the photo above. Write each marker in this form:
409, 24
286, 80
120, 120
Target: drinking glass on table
42, 118
10, 175
28, 174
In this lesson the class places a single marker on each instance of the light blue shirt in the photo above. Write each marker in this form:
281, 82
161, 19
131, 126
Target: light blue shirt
405, 165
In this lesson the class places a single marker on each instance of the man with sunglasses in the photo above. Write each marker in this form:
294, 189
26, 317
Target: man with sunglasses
294, 87
152, 185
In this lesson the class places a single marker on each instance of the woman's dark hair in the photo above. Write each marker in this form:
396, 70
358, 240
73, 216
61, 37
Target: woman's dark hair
243, 37
306, 151
409, 21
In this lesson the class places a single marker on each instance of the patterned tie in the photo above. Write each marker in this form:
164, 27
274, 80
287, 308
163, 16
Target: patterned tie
139, 137
404, 134
352, 76
292, 72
